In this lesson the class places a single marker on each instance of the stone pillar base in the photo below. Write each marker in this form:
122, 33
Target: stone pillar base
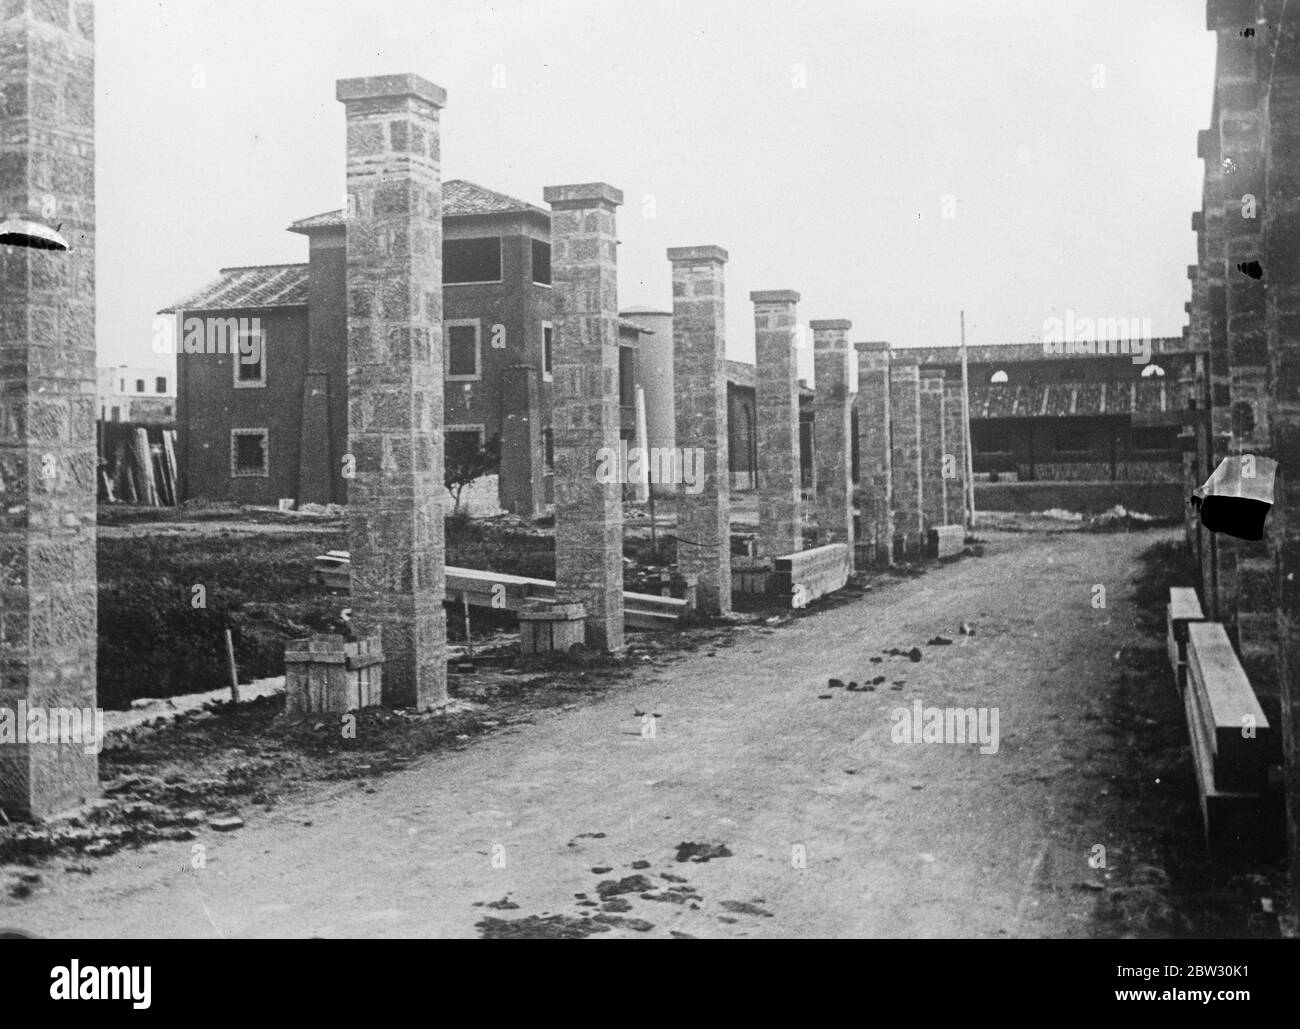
551, 628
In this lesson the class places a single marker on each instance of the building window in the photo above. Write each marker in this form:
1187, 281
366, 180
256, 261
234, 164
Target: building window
121, 386
463, 435
248, 453
548, 448
471, 260
160, 384
249, 358
998, 376
990, 439
1073, 439
1153, 371
463, 349
541, 263
167, 411
627, 376
139, 385
548, 350
117, 414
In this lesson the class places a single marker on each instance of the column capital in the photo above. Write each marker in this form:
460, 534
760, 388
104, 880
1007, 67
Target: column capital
390, 87
830, 325
697, 255
774, 296
583, 194
873, 347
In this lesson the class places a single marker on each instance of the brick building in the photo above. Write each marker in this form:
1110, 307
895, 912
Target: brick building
256, 432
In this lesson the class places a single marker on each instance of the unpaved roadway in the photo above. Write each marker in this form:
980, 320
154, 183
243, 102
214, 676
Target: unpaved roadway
833, 828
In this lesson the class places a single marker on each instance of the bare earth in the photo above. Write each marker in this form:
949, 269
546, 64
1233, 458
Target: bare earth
900, 840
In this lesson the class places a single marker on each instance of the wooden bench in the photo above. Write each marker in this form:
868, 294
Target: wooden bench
1183, 607
1230, 739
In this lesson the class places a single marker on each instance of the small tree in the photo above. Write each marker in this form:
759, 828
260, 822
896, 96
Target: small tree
465, 461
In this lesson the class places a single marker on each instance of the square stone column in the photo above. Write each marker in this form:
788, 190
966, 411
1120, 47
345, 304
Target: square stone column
395, 369
780, 515
1281, 260
833, 429
585, 418
1239, 94
934, 492
954, 442
700, 393
875, 460
48, 588
905, 433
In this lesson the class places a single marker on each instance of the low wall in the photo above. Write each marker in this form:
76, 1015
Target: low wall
1155, 498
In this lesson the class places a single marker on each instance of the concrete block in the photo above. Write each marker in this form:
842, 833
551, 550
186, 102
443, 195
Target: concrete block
551, 628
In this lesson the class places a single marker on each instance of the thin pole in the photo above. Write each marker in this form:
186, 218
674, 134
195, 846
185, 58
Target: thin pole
965, 417
231, 669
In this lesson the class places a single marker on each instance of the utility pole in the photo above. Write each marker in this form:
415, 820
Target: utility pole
965, 417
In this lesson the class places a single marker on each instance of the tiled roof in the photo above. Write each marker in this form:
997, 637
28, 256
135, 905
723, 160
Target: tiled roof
458, 198
1005, 353
1061, 399
267, 285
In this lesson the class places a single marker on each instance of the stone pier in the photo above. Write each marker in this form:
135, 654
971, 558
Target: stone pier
700, 392
780, 513
875, 487
833, 427
585, 418
48, 644
954, 441
395, 368
934, 491
906, 469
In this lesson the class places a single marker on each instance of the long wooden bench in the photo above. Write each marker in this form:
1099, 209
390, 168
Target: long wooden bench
511, 592
1183, 607
1230, 738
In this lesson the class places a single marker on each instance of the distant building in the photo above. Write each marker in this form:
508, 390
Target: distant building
141, 395
278, 428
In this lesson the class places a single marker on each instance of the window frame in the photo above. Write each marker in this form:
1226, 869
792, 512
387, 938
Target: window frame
454, 323
476, 427
532, 262
548, 353
235, 471
237, 362
160, 389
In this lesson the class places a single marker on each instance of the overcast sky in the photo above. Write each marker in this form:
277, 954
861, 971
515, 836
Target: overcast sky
815, 141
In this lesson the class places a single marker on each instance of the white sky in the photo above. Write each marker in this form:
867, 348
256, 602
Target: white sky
1069, 196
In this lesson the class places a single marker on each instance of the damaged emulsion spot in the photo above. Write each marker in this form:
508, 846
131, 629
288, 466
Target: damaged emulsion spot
1252, 268
16, 232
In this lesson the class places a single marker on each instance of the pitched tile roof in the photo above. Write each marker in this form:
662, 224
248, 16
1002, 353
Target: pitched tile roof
266, 285
458, 198
1061, 399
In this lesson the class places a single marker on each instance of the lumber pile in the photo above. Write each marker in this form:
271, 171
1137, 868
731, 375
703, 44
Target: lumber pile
502, 592
137, 465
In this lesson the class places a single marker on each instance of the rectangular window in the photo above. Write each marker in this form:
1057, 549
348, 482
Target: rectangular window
548, 448
548, 350
160, 384
463, 349
541, 263
139, 385
463, 435
627, 376
471, 260
249, 358
1073, 439
117, 414
248, 453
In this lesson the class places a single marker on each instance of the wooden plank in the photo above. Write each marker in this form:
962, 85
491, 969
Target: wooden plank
145, 486
1227, 704
1230, 817
1184, 605
818, 571
173, 470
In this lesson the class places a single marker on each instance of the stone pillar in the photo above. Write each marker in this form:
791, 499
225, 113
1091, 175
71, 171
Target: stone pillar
905, 435
780, 515
1241, 141
875, 461
1281, 260
700, 389
395, 369
47, 398
934, 492
833, 424
585, 419
954, 441
522, 484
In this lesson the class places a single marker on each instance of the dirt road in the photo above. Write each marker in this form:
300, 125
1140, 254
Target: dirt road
832, 828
